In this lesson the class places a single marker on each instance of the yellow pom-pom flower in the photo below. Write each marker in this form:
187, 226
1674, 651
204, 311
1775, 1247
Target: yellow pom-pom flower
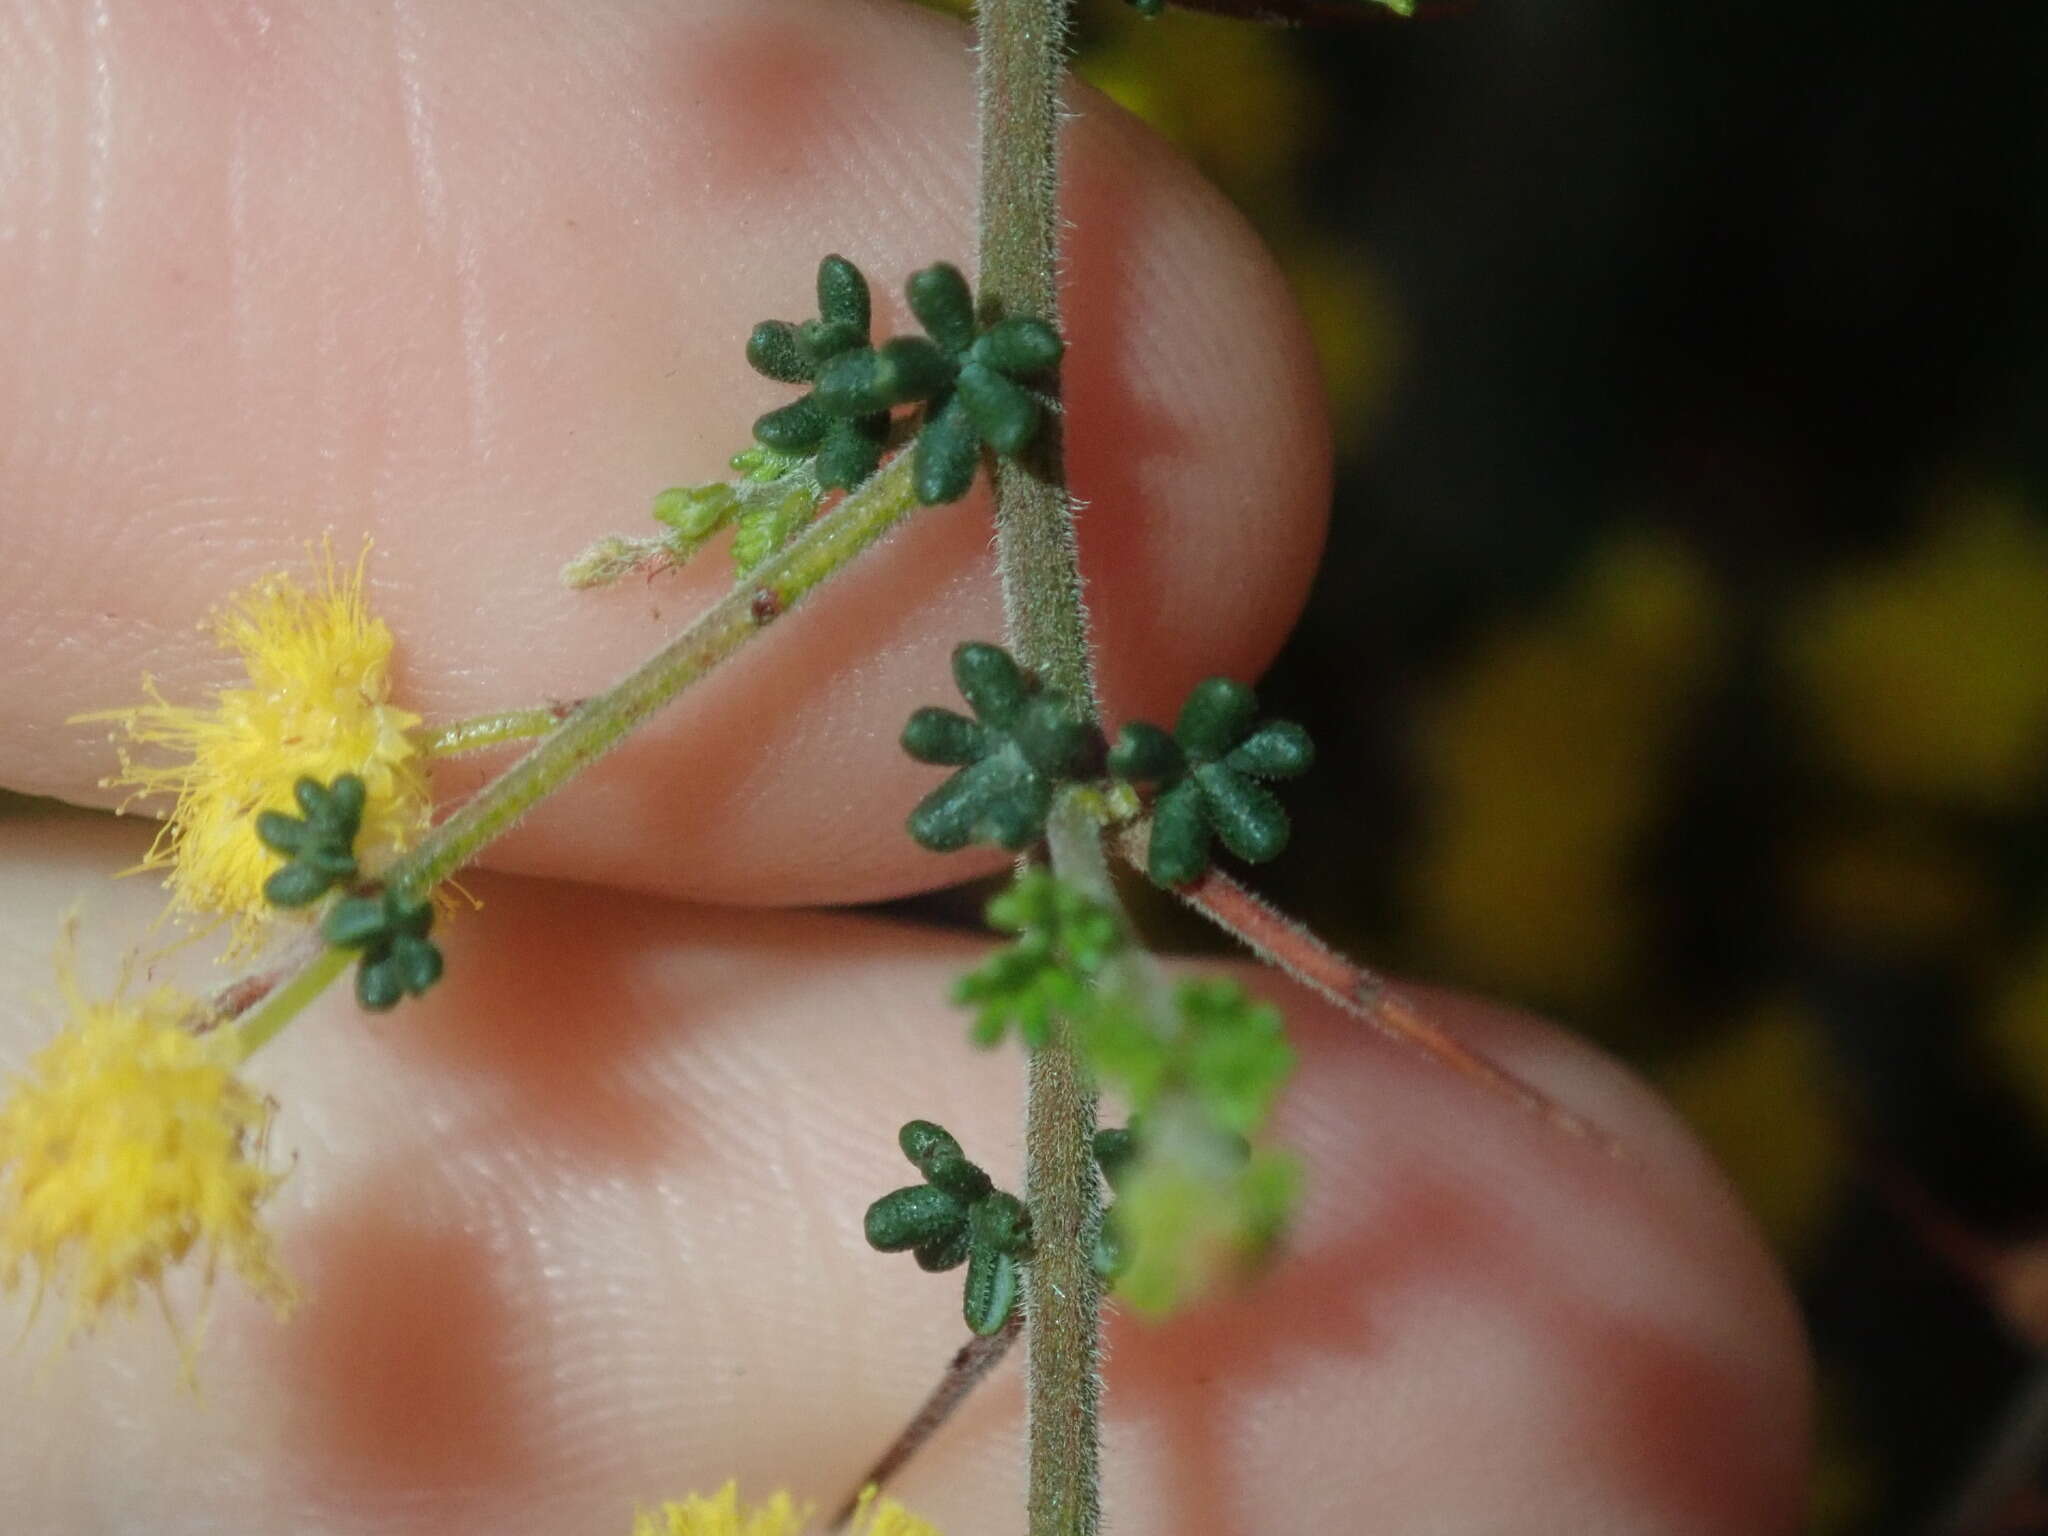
316, 704
128, 1144
723, 1515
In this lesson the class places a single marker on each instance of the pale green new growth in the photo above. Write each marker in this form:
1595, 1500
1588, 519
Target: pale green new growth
770, 497
1063, 940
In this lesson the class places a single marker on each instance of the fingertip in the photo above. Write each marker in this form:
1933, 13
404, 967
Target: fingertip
1200, 437
531, 320
1483, 1323
630, 1143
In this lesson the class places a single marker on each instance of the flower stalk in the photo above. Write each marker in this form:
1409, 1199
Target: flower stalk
600, 723
603, 721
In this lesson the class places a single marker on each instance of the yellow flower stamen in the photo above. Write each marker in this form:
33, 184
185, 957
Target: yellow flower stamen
885, 1517
723, 1515
128, 1143
316, 704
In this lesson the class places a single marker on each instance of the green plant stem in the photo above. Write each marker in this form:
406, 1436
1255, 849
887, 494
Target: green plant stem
1022, 52
1022, 57
600, 723
284, 1002
1063, 1295
480, 731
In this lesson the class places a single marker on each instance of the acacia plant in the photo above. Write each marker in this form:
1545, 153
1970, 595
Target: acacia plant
301, 809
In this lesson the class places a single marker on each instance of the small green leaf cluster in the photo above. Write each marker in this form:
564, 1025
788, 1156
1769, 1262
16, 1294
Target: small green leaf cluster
1193, 1196
969, 381
767, 503
1025, 741
1022, 743
1230, 1055
1181, 1221
1063, 941
956, 1216
318, 844
1115, 1148
1234, 1051
389, 928
844, 445
1223, 1050
1207, 775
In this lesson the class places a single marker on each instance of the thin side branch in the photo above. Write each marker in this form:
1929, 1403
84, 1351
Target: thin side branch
969, 1367
598, 724
1282, 941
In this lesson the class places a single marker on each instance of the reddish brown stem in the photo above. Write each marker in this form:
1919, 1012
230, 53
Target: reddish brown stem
1282, 941
970, 1363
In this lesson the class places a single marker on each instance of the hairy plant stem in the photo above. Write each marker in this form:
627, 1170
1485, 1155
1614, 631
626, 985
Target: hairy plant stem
1063, 1293
600, 723
1022, 54
287, 999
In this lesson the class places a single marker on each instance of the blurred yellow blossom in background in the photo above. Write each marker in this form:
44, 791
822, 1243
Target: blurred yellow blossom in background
1896, 884
1541, 764
1927, 675
1759, 1097
2017, 1027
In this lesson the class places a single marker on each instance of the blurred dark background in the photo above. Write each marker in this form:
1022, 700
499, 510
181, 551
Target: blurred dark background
1680, 659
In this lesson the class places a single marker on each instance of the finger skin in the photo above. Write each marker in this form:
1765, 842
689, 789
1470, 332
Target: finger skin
583, 1229
474, 281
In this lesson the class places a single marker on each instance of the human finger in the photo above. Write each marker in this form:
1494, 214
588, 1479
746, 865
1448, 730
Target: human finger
474, 283
582, 1229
